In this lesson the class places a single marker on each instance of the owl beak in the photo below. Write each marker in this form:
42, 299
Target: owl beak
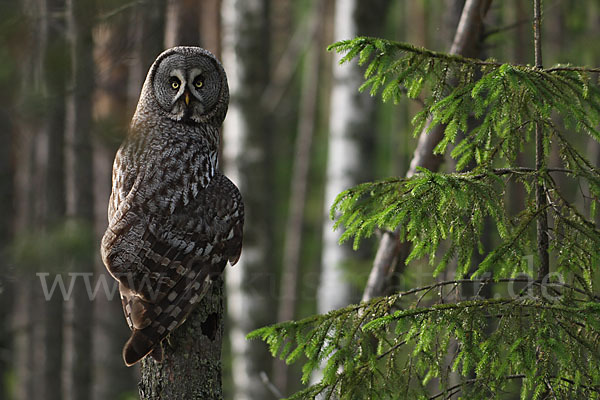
187, 98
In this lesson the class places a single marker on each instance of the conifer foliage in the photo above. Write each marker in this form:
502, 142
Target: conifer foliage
536, 337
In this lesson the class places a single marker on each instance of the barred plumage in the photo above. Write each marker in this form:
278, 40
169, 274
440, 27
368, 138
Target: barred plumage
174, 218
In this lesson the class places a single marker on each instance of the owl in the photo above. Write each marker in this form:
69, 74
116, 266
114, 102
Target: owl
174, 220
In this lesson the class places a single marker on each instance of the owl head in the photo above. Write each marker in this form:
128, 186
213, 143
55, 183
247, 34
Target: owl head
186, 84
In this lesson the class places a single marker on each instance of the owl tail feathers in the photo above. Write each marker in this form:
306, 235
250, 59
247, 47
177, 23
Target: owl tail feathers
139, 346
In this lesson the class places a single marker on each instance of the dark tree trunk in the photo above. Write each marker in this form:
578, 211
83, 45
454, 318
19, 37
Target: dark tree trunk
24, 321
56, 61
6, 271
111, 377
210, 26
7, 217
191, 368
23, 313
23, 338
147, 36
82, 15
182, 25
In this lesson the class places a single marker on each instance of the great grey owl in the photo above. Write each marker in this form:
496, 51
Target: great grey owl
174, 218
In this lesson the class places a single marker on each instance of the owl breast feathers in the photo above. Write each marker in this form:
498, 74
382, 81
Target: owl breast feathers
174, 219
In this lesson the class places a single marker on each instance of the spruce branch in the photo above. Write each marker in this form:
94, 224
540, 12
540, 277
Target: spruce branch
571, 68
365, 376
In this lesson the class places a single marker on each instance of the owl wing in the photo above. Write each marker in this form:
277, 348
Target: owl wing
143, 247
165, 249
216, 237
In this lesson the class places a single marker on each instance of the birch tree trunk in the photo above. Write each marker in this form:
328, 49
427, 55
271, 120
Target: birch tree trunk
351, 132
250, 298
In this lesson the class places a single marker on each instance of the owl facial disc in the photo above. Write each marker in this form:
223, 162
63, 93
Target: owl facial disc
188, 85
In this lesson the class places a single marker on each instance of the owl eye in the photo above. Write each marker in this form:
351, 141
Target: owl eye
175, 83
198, 81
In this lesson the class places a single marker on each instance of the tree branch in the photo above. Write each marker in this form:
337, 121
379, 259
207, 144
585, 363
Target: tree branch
580, 69
467, 35
540, 190
468, 382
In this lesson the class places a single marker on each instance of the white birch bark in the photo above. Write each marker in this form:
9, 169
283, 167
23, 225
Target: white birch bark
342, 163
250, 300
351, 126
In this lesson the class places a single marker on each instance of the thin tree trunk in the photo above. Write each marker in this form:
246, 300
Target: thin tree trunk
6, 235
286, 65
301, 162
82, 18
111, 377
540, 190
247, 148
540, 161
182, 26
299, 183
24, 310
147, 36
390, 250
518, 50
55, 76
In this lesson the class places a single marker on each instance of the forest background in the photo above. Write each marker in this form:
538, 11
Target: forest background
70, 75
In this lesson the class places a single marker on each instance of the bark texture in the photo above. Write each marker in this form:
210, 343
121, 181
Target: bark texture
191, 368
